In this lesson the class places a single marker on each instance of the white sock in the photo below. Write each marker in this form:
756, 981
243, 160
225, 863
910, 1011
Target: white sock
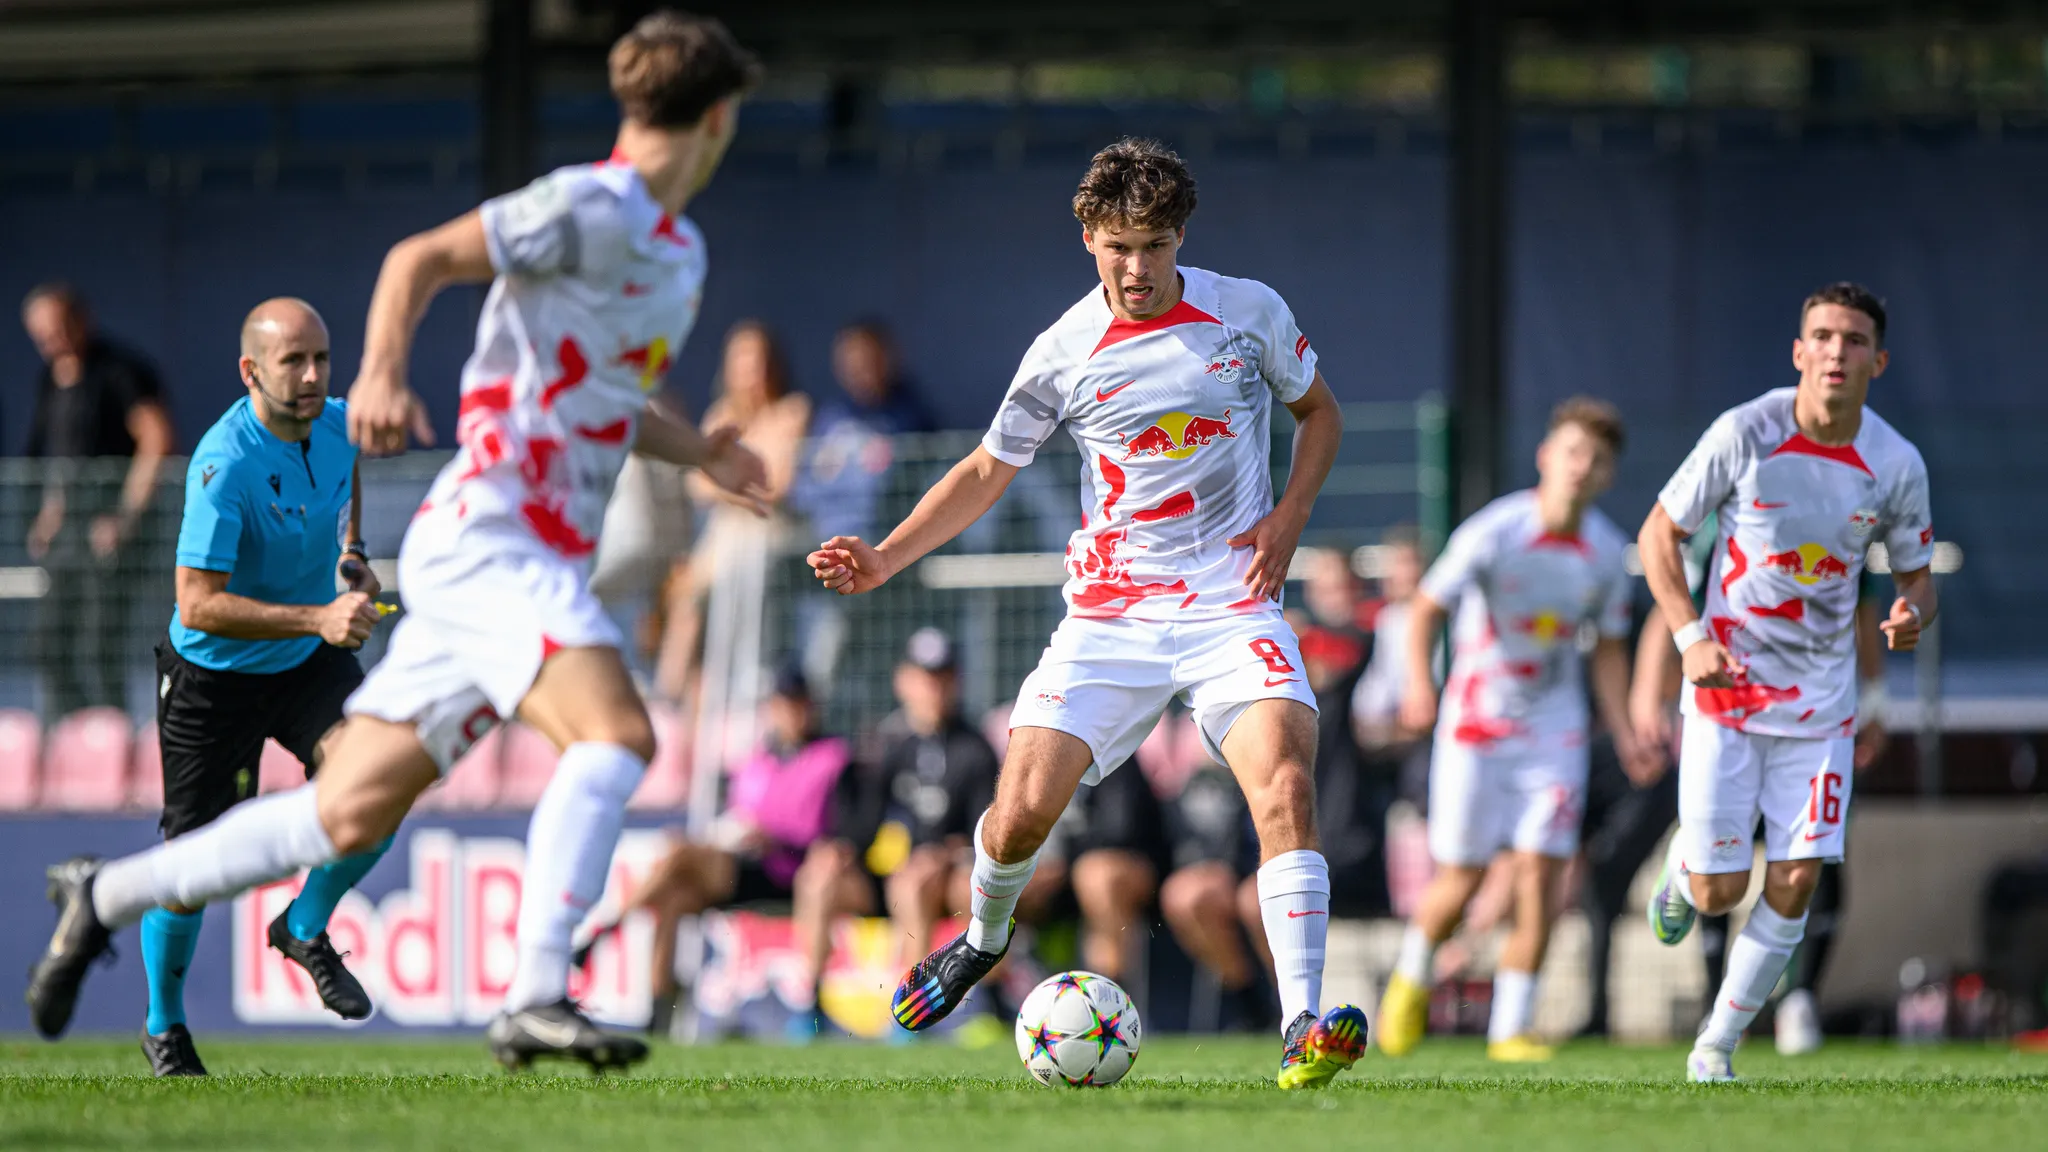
1681, 878
266, 839
1413, 964
1755, 962
994, 899
568, 853
1514, 1004
1294, 902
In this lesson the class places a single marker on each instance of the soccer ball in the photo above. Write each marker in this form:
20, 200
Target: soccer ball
1078, 1029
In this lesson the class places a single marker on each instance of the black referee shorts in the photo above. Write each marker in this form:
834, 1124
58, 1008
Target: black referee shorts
211, 726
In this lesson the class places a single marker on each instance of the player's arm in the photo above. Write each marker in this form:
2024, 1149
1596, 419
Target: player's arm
1611, 665
663, 435
1912, 611
381, 407
848, 564
1871, 697
1660, 546
1654, 687
206, 605
1318, 430
1419, 697
1909, 540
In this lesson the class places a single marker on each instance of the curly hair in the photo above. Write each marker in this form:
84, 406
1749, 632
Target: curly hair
1135, 183
671, 68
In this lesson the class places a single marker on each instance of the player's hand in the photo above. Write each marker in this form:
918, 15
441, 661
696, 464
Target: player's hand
1418, 707
349, 620
1708, 665
1870, 744
104, 534
1643, 761
849, 564
382, 410
1651, 719
1902, 628
357, 574
733, 466
1272, 541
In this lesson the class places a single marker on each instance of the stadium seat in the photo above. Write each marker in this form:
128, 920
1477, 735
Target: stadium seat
473, 782
667, 783
279, 770
86, 766
21, 754
146, 778
526, 761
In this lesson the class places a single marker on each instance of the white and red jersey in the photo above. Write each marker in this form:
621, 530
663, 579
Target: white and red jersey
1519, 596
1795, 520
1172, 416
597, 289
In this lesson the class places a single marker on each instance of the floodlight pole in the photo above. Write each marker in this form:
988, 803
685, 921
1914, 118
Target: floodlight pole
1479, 187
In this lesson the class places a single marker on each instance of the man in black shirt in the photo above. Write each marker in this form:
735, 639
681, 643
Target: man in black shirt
94, 399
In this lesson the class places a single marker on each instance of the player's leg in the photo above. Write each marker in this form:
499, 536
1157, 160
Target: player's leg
307, 723
1798, 1014
1466, 829
1707, 864
1113, 887
1805, 797
1549, 790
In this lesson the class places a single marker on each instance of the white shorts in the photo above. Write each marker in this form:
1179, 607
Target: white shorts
1107, 681
483, 609
1523, 792
1727, 779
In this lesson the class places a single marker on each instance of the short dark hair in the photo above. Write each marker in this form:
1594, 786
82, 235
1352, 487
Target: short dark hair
671, 68
56, 290
1135, 183
1600, 419
1848, 294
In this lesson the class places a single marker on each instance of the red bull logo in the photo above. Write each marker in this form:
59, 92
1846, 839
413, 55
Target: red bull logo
1545, 627
1177, 435
651, 362
1226, 369
1808, 564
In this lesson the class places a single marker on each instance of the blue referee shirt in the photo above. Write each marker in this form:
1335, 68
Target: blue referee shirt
272, 513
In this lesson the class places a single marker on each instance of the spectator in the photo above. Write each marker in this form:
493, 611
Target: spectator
94, 399
875, 391
903, 818
1211, 853
777, 808
851, 451
1113, 833
754, 399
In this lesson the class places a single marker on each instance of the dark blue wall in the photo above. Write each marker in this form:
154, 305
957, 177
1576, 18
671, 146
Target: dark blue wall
1666, 280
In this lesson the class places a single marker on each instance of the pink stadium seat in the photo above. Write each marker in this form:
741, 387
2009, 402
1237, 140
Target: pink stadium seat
667, 783
21, 756
527, 762
473, 781
995, 728
279, 770
146, 783
86, 769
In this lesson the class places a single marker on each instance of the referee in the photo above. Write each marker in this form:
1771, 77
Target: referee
260, 646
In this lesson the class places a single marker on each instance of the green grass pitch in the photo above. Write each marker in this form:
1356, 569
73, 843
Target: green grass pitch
1184, 1094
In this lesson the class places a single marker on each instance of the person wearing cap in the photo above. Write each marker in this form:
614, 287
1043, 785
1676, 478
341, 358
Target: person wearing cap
778, 803
900, 837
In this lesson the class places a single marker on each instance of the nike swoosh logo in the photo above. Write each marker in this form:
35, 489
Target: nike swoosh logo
548, 1032
1820, 835
1102, 394
1310, 912
1763, 506
1743, 1007
1272, 683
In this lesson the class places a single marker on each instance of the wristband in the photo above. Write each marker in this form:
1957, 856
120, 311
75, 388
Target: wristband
355, 548
1871, 702
1689, 635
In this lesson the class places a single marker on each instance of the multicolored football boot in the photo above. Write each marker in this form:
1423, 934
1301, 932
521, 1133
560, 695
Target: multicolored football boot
1316, 1050
1671, 914
941, 981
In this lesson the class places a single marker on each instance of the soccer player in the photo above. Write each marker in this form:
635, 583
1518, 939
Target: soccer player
260, 647
1804, 479
1166, 378
595, 282
1525, 575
